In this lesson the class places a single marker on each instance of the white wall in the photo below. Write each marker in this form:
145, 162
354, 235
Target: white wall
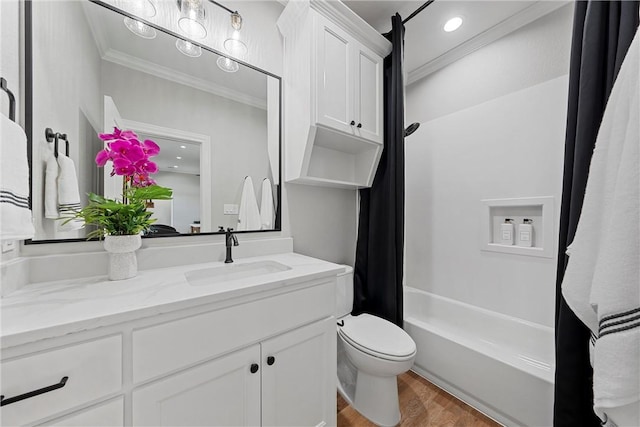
186, 199
492, 127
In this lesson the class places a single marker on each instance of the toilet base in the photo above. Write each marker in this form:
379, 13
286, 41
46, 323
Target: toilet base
377, 399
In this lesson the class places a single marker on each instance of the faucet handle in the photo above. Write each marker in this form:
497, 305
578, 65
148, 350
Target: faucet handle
220, 228
229, 229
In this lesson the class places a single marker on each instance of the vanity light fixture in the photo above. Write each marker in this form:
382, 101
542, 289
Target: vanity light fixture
188, 48
192, 18
145, 9
453, 24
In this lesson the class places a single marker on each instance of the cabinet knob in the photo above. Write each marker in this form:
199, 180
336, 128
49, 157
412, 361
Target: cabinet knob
359, 125
271, 360
353, 123
254, 368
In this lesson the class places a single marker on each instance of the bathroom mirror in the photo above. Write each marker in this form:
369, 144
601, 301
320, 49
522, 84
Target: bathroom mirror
87, 72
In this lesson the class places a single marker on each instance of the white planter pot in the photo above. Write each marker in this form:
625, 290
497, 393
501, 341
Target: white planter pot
123, 263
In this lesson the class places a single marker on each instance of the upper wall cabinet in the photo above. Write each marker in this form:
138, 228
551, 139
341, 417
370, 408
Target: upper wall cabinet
333, 95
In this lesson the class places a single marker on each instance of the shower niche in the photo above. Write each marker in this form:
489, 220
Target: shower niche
537, 240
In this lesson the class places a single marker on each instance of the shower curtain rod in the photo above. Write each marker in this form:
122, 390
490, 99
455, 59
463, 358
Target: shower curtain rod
418, 10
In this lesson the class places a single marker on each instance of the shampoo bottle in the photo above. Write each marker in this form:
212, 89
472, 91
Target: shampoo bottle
525, 233
506, 232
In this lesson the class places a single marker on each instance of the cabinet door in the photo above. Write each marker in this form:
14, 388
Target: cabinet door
223, 392
299, 387
369, 94
334, 77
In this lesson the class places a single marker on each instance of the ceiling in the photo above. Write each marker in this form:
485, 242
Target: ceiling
426, 41
170, 150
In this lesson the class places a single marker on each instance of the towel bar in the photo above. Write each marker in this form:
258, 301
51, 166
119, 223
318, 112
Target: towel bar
52, 136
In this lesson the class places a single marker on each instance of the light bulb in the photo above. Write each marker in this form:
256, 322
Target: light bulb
227, 65
140, 29
453, 24
188, 48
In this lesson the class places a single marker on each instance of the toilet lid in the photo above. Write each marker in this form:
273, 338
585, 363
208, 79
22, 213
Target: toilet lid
377, 336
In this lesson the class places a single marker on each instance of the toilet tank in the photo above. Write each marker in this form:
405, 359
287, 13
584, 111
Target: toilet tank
344, 292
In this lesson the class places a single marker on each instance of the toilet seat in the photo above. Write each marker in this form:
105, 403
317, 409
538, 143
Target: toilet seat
377, 337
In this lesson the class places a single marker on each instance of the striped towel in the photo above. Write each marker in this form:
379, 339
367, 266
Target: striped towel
15, 216
68, 193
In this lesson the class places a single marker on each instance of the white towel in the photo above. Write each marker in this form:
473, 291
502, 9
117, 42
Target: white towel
266, 206
602, 281
15, 217
68, 194
248, 215
51, 188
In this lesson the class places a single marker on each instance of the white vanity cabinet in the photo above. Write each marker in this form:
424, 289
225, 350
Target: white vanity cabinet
333, 91
266, 356
285, 381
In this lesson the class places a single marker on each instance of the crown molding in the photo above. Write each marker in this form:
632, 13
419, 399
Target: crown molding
174, 76
509, 25
340, 14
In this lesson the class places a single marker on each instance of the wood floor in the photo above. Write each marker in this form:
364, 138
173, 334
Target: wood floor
422, 404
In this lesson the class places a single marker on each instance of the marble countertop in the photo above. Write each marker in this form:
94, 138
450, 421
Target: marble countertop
46, 310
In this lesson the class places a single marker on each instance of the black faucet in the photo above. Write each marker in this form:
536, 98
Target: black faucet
229, 239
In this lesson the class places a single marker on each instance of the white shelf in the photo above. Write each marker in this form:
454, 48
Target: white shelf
539, 209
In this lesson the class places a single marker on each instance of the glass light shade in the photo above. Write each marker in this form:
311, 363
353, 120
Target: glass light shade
453, 24
142, 8
227, 65
192, 18
188, 48
235, 48
140, 29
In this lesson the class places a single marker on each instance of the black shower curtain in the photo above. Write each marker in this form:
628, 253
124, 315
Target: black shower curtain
379, 251
602, 33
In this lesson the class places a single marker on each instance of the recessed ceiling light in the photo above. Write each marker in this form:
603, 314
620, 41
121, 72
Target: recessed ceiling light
453, 24
175, 166
178, 157
183, 146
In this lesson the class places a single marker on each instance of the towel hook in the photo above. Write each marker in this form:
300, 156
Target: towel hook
52, 136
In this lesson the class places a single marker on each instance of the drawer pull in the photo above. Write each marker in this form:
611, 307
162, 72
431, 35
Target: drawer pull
254, 368
271, 360
34, 393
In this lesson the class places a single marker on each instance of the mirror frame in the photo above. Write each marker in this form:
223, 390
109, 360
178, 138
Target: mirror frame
28, 95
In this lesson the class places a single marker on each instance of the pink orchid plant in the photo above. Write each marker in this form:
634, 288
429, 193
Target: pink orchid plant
130, 159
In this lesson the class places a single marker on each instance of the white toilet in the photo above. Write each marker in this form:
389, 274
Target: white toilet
372, 352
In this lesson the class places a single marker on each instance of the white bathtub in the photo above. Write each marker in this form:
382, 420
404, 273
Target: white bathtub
501, 365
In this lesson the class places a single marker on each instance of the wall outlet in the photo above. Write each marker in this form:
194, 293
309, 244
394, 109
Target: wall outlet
230, 209
8, 245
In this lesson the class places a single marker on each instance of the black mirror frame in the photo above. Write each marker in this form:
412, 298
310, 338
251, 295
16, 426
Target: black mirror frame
28, 94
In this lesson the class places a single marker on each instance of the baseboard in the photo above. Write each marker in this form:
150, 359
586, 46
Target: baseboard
448, 388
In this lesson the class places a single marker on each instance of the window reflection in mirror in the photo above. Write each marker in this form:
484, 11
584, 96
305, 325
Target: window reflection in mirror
90, 73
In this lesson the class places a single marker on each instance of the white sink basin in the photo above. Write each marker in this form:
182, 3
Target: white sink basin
229, 272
